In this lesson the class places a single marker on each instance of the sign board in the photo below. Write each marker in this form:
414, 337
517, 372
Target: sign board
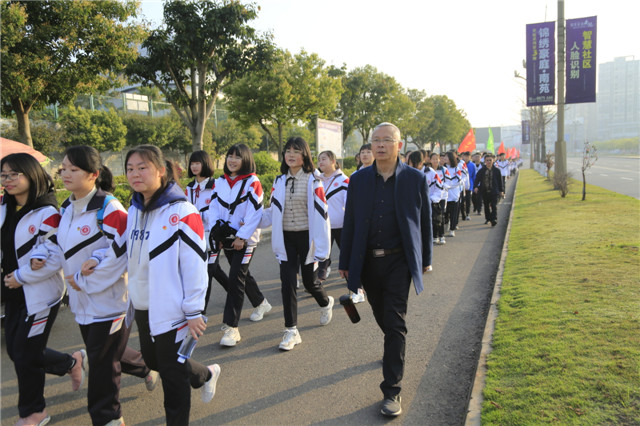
329, 136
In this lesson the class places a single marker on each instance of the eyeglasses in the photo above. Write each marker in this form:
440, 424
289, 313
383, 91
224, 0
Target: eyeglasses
385, 140
10, 176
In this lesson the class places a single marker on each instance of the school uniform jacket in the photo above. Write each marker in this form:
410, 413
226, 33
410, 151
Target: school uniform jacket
444, 174
452, 182
318, 216
335, 189
436, 189
239, 202
177, 258
465, 174
199, 194
503, 166
103, 295
43, 288
413, 212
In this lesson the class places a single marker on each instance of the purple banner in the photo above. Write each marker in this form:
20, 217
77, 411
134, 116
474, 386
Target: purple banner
541, 64
581, 60
526, 132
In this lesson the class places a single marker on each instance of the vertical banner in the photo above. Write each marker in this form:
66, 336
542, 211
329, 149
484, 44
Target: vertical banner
526, 132
329, 137
541, 64
581, 60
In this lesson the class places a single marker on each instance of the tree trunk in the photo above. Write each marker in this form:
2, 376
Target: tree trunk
584, 186
24, 125
197, 132
280, 142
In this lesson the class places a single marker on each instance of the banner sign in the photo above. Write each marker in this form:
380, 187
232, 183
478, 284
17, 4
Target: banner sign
329, 136
526, 132
541, 64
581, 60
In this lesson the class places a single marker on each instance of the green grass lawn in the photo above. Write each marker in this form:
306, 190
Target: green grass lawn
566, 347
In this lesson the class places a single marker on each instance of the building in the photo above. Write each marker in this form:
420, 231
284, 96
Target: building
618, 99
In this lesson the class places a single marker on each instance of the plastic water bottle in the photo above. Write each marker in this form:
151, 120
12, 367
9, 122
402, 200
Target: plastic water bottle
188, 345
350, 308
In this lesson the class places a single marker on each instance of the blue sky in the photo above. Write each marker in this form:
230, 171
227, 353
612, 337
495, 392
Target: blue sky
465, 49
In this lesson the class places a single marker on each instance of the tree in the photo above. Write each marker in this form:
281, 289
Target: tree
229, 132
449, 124
589, 158
294, 89
417, 127
369, 98
202, 47
53, 50
102, 130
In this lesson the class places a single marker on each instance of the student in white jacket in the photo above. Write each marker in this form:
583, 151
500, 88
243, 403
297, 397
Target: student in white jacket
234, 214
300, 234
92, 253
167, 278
29, 215
437, 197
198, 192
454, 184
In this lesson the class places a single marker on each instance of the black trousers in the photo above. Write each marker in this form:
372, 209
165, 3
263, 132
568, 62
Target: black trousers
31, 358
490, 207
133, 364
296, 245
240, 281
465, 203
160, 354
476, 199
215, 271
387, 281
452, 214
335, 236
437, 218
104, 351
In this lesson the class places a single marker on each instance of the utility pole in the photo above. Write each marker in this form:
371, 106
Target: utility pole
561, 148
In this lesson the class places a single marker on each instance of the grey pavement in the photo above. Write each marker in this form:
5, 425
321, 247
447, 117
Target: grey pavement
333, 376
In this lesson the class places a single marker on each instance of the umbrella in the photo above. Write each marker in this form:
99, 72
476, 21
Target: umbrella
7, 146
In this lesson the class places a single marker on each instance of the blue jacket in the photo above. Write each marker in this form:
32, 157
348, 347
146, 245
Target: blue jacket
472, 174
413, 210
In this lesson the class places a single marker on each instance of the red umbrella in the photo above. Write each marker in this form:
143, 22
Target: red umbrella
7, 146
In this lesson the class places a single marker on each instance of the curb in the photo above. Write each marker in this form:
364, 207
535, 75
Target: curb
474, 409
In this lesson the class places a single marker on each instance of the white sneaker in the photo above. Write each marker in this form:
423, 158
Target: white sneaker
116, 422
231, 336
358, 297
260, 310
452, 233
151, 380
436, 241
442, 240
209, 388
290, 339
327, 312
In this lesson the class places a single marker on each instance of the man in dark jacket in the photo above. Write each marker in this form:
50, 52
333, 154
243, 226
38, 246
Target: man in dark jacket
386, 241
489, 185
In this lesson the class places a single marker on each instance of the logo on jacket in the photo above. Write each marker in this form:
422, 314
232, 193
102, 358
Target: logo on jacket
85, 230
174, 219
32, 229
208, 201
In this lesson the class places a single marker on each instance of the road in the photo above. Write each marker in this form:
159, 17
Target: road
618, 174
332, 377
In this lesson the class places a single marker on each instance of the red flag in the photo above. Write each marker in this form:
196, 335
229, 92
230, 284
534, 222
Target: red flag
501, 150
468, 143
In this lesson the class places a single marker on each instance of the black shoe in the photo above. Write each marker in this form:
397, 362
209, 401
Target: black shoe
391, 406
494, 223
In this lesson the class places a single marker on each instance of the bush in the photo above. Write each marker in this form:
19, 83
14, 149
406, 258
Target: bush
265, 164
123, 194
46, 136
349, 163
267, 183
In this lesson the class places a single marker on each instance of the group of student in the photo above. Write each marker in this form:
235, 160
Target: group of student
456, 183
155, 263
118, 266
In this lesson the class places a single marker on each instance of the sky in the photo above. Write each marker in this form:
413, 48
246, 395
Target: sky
467, 50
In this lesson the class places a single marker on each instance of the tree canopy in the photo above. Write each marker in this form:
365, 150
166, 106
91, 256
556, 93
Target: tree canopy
202, 47
53, 50
293, 89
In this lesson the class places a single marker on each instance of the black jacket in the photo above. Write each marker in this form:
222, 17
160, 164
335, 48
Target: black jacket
496, 185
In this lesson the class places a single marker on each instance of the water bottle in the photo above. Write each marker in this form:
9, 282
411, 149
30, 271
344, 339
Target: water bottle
350, 308
187, 346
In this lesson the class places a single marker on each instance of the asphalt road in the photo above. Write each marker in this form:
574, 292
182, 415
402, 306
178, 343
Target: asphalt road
618, 174
332, 377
